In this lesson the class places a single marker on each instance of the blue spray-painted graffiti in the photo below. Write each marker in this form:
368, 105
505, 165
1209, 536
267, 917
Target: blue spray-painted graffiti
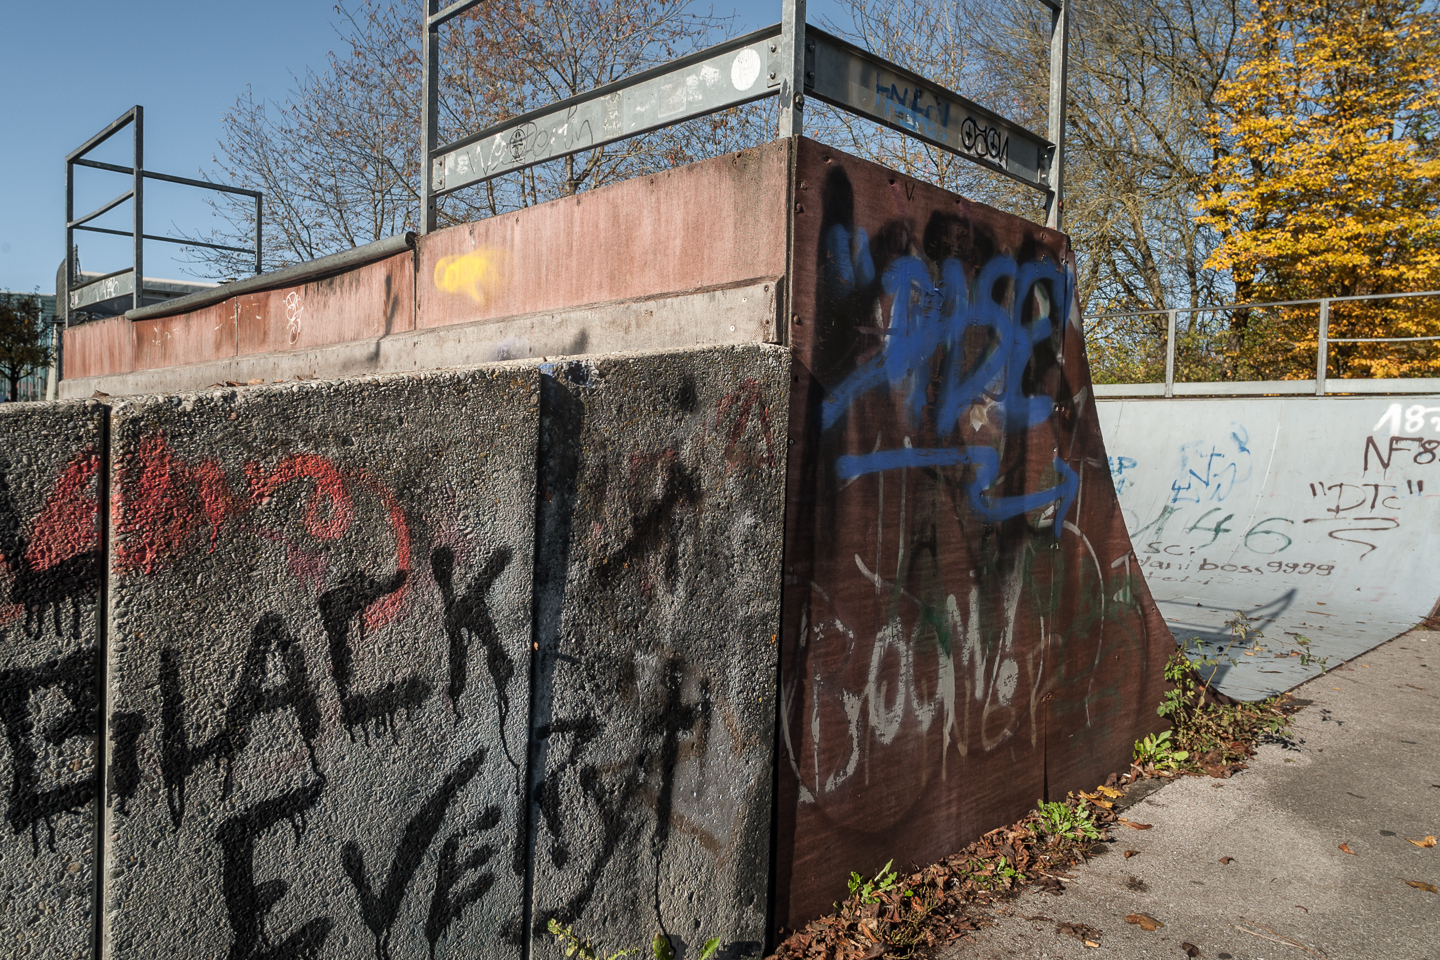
1210, 473
926, 317
1118, 466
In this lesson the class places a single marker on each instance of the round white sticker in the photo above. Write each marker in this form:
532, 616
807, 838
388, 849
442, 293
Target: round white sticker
745, 69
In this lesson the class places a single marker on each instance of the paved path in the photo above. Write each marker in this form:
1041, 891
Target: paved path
1364, 770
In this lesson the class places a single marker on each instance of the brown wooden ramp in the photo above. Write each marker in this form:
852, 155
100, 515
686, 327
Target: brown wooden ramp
965, 627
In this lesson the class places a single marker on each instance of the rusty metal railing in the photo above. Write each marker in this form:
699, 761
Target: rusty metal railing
789, 61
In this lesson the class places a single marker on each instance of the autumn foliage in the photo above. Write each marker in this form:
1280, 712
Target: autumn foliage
1326, 183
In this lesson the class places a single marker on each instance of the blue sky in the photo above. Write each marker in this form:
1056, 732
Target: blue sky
70, 68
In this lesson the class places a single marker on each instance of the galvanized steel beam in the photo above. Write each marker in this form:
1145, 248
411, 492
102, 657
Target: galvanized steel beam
721, 76
1059, 83
856, 80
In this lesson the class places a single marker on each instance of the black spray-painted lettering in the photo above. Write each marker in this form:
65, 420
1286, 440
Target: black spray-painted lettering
248, 902
447, 903
470, 614
30, 801
251, 699
666, 720
74, 579
380, 908
340, 606
123, 775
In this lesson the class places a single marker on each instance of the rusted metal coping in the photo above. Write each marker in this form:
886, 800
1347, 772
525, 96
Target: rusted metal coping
300, 273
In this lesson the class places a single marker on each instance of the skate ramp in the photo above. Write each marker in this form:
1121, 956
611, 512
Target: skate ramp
1315, 517
964, 628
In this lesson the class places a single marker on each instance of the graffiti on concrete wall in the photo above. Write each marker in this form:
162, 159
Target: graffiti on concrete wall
658, 580
50, 565
1214, 526
319, 675
319, 732
1291, 513
53, 568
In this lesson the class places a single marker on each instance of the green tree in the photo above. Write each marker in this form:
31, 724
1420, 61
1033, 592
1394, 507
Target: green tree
23, 337
1326, 179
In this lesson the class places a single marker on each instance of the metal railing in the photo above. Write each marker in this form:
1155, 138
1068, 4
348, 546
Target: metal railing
1321, 385
788, 61
129, 280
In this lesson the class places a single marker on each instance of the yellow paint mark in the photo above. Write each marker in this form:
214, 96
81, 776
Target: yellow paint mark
476, 274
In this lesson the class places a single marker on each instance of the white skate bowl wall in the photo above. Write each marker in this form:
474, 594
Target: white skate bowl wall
1315, 516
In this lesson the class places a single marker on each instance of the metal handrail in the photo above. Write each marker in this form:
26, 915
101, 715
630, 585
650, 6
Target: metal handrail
1272, 303
1323, 338
134, 116
794, 59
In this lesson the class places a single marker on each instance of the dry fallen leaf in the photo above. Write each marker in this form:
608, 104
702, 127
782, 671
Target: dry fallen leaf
1147, 922
1421, 885
1346, 848
1136, 826
1110, 792
1091, 943
1226, 859
1427, 842
1190, 949
1130, 853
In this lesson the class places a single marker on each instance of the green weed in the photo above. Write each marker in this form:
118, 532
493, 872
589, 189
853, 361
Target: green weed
581, 949
1203, 731
1060, 822
870, 891
662, 950
1158, 752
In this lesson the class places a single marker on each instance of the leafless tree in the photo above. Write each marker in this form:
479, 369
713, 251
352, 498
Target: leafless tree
339, 160
1143, 76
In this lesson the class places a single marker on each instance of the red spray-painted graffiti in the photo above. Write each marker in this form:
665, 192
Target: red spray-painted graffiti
59, 559
161, 503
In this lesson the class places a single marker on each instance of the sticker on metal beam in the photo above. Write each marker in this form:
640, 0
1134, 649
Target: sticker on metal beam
859, 81
658, 99
110, 287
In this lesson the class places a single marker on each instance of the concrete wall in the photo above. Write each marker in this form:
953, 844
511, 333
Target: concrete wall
328, 609
966, 629
320, 629
658, 583
51, 485
1316, 516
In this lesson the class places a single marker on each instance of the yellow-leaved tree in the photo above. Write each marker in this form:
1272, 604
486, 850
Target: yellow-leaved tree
1325, 182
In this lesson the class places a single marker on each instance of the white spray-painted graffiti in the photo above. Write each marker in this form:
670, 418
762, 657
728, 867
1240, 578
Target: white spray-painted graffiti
965, 374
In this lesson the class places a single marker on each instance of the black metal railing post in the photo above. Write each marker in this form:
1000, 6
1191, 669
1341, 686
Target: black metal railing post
73, 296
138, 198
432, 20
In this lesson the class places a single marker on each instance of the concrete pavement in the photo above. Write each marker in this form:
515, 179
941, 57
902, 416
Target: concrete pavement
1361, 768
